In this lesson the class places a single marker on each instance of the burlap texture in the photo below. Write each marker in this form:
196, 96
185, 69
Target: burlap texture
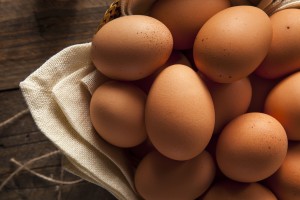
58, 95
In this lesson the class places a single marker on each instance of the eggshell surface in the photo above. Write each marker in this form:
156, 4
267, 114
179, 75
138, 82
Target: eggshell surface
285, 183
230, 100
232, 43
179, 113
117, 113
131, 47
231, 190
283, 57
185, 18
160, 178
283, 103
251, 147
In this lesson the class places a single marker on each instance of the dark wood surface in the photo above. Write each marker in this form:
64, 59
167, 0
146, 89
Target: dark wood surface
30, 32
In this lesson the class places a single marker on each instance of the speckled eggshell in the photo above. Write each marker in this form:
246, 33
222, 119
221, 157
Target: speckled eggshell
283, 103
179, 113
131, 47
231, 190
251, 147
284, 54
161, 178
233, 43
230, 100
285, 183
185, 18
117, 113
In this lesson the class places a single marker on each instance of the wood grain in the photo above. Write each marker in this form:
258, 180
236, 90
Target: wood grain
31, 32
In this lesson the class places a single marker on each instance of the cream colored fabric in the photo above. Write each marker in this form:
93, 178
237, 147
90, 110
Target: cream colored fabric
58, 96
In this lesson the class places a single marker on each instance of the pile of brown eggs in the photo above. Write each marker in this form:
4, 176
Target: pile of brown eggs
207, 95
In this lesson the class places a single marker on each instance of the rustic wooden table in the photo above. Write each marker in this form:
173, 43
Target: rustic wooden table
30, 32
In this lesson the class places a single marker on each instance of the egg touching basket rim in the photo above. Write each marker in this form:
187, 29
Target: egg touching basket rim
114, 11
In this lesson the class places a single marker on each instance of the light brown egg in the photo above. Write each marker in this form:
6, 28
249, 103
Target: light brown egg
185, 18
231, 190
230, 100
285, 183
233, 43
117, 113
251, 147
283, 103
160, 178
260, 90
284, 54
131, 47
175, 58
179, 113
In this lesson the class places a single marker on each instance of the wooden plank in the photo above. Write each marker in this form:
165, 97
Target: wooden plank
32, 31
24, 153
25, 180
83, 190
11, 103
22, 140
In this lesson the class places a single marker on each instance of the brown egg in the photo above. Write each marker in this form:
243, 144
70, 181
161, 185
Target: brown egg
175, 58
230, 100
233, 43
260, 90
251, 147
285, 183
160, 178
117, 113
131, 47
231, 190
284, 54
185, 18
283, 103
179, 113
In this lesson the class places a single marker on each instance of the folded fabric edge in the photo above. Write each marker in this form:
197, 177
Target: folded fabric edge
125, 170
73, 167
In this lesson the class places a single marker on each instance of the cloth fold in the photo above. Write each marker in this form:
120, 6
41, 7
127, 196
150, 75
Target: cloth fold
58, 95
